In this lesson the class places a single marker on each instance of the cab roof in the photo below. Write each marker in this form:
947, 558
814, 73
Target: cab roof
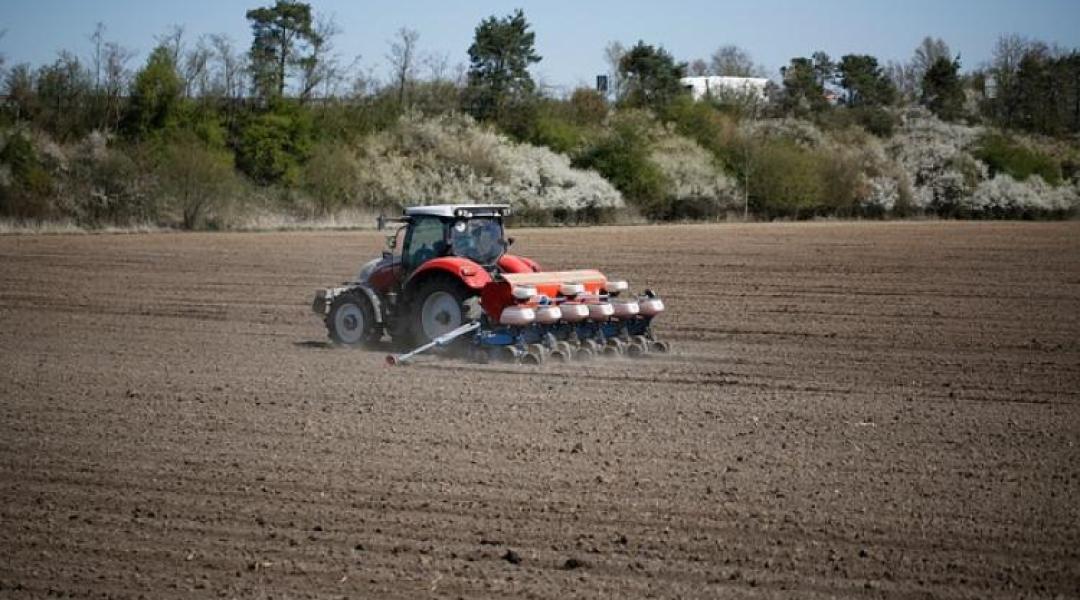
453, 210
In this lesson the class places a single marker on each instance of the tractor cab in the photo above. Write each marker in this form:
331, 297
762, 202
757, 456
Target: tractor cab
468, 231
454, 237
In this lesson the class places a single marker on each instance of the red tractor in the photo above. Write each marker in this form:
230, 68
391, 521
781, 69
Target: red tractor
447, 273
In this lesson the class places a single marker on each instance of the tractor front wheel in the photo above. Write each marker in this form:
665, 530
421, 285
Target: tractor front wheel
351, 320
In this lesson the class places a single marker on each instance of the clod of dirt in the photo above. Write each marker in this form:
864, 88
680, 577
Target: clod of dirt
573, 563
512, 557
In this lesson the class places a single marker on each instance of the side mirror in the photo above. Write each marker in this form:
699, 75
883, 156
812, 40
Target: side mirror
509, 241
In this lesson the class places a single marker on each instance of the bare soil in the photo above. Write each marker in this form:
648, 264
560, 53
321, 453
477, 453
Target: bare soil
851, 410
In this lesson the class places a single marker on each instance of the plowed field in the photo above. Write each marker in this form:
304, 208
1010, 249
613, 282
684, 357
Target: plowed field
854, 410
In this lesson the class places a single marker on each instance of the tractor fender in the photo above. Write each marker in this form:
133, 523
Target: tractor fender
464, 270
510, 263
325, 297
376, 304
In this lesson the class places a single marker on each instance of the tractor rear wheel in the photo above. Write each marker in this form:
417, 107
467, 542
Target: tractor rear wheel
439, 306
351, 320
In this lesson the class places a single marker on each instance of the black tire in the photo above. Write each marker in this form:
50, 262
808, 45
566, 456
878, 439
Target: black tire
444, 293
351, 320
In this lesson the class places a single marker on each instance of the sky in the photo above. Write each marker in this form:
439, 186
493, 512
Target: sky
570, 35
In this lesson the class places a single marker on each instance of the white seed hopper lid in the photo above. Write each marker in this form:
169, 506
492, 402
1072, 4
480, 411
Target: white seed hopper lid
617, 285
524, 292
571, 289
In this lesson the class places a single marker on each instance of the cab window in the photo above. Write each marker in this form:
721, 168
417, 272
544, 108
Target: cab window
425, 242
478, 239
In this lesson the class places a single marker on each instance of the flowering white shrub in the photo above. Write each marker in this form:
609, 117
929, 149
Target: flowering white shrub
802, 132
935, 156
883, 194
1005, 195
693, 173
451, 159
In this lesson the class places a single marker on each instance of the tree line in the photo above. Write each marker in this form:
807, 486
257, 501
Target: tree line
204, 115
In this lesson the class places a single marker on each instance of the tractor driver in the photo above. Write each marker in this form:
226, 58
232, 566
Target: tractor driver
477, 239
490, 245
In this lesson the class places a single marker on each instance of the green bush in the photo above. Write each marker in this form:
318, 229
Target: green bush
331, 177
560, 135
155, 95
26, 193
350, 120
272, 145
519, 119
786, 180
437, 97
623, 158
564, 126
709, 127
874, 119
19, 156
195, 179
204, 122
842, 183
588, 106
1003, 154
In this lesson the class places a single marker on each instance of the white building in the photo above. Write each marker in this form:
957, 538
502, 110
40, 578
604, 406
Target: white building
700, 87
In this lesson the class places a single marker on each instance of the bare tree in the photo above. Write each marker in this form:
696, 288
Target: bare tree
3, 60
194, 71
229, 71
19, 84
928, 53
903, 76
733, 61
363, 82
698, 68
117, 77
613, 54
98, 40
337, 75
438, 66
461, 74
321, 67
173, 40
1008, 52
402, 59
